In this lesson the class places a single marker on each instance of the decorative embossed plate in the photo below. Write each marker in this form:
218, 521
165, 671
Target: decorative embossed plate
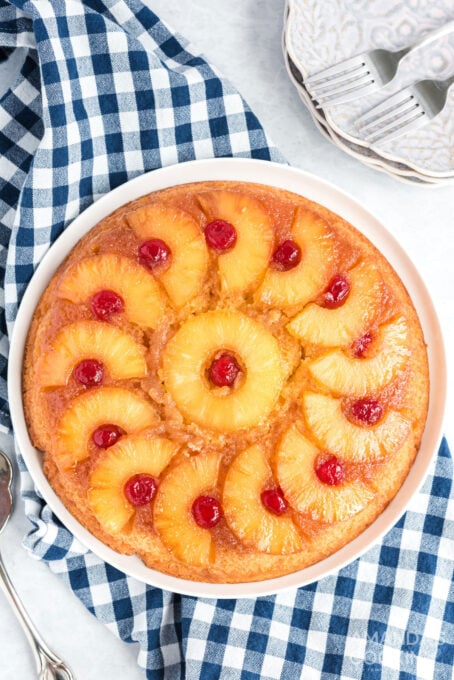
319, 34
367, 156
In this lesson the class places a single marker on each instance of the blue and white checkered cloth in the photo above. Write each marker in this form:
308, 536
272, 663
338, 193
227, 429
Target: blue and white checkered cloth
104, 91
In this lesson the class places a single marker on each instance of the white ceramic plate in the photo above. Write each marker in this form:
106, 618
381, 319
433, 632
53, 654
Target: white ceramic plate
322, 34
366, 156
363, 153
292, 179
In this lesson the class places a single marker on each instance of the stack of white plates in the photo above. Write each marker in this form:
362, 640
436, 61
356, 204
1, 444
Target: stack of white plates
320, 34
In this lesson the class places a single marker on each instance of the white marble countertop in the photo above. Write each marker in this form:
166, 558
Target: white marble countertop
242, 38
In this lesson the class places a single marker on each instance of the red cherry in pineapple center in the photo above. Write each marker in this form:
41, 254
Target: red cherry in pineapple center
361, 344
104, 303
274, 501
337, 292
220, 235
140, 489
154, 253
367, 411
286, 256
224, 370
331, 471
107, 435
207, 511
89, 372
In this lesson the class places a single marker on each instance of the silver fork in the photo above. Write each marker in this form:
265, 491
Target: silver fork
364, 73
409, 109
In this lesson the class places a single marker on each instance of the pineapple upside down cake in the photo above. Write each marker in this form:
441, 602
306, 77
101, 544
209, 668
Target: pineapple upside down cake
227, 380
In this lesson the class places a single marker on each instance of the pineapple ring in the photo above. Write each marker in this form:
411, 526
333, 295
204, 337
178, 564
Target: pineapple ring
355, 443
339, 327
295, 469
116, 349
195, 343
130, 456
144, 302
91, 409
241, 269
184, 278
244, 512
303, 283
357, 377
173, 518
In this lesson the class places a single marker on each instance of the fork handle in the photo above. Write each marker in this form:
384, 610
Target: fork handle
431, 37
444, 84
49, 666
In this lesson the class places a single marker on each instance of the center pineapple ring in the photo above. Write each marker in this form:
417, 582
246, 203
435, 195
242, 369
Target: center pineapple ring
192, 348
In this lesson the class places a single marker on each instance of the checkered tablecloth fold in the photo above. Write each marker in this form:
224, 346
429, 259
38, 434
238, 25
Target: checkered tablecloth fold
104, 91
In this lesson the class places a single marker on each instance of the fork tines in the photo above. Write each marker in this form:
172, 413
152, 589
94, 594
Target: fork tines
341, 82
347, 67
329, 89
391, 118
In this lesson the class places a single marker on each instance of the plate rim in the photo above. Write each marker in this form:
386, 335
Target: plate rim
318, 190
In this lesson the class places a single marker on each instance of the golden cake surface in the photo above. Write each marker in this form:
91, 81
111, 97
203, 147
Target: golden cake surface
227, 380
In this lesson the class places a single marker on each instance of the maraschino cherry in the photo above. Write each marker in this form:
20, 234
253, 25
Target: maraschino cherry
220, 235
286, 256
140, 489
224, 370
274, 501
104, 303
207, 511
107, 435
367, 411
154, 253
336, 292
89, 372
331, 471
361, 344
